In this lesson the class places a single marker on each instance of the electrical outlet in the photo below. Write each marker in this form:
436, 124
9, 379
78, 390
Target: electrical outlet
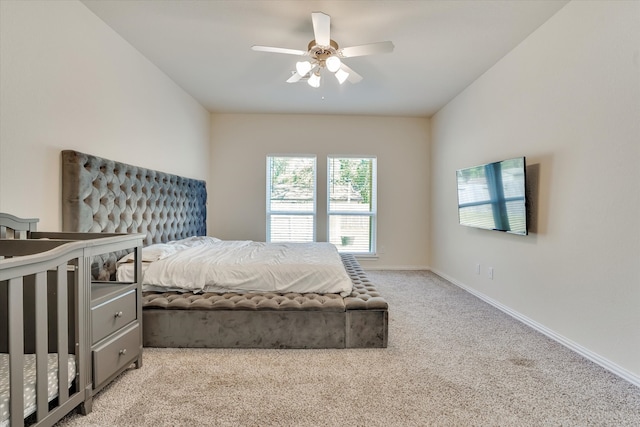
490, 273
477, 268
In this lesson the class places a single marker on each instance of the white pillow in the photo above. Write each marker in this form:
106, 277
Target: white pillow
151, 253
160, 251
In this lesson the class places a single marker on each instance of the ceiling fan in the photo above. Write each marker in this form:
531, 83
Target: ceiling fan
325, 53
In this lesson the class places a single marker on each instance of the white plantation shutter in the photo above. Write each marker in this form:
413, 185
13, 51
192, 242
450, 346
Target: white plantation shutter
351, 203
291, 198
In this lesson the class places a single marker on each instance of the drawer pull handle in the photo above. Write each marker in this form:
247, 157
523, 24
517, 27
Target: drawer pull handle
122, 352
118, 314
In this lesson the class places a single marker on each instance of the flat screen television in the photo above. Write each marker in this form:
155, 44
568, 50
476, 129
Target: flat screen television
493, 196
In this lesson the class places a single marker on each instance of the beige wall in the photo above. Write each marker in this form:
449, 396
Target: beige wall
240, 144
68, 81
568, 98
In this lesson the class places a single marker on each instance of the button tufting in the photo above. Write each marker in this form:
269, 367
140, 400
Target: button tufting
361, 298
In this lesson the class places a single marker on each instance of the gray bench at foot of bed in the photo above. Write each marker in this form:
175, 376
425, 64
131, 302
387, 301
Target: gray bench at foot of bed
269, 320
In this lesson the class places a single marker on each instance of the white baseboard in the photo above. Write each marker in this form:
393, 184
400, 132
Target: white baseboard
590, 355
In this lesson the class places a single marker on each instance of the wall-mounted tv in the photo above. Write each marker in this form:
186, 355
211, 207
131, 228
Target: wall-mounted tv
492, 196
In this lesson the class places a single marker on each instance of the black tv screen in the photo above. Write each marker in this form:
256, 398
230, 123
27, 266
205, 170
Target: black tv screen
492, 196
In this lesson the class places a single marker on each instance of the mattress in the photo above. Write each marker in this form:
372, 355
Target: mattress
206, 264
30, 383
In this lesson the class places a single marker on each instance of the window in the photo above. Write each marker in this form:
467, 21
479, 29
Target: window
351, 204
291, 198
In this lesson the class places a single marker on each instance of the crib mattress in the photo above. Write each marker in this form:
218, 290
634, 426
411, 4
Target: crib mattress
30, 383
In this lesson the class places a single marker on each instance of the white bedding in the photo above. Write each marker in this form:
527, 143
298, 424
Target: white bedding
30, 383
207, 264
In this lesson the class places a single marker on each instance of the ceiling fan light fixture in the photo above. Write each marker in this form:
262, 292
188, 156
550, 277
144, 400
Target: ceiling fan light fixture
314, 80
303, 67
333, 63
341, 75
323, 52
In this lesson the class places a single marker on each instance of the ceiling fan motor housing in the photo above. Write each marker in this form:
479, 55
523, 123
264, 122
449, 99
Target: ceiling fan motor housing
321, 53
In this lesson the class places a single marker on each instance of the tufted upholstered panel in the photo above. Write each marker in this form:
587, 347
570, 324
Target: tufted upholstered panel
100, 195
363, 297
249, 301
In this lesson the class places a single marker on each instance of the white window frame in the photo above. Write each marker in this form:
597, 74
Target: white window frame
271, 212
373, 213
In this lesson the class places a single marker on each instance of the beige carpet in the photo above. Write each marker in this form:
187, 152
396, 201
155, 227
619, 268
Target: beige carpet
452, 360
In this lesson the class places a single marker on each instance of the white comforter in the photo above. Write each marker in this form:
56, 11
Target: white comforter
207, 264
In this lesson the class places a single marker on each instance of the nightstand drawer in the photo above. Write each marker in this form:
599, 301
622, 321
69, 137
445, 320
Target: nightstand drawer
116, 353
112, 315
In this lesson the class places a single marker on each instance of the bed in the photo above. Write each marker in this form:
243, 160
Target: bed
47, 348
102, 195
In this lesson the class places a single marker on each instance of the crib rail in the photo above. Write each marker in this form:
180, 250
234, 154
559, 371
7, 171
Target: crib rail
16, 228
42, 276
45, 292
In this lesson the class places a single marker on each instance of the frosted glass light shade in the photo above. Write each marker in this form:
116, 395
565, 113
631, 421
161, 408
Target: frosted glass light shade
314, 80
341, 75
303, 67
333, 63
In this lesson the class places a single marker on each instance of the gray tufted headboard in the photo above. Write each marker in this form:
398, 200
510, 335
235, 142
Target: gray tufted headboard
100, 195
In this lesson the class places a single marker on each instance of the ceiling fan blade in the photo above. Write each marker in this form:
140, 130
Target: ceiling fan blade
321, 28
353, 76
279, 50
295, 78
367, 49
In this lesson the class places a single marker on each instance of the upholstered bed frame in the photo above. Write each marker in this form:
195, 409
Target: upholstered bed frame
100, 195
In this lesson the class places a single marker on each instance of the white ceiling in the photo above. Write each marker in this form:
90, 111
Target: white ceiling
440, 48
